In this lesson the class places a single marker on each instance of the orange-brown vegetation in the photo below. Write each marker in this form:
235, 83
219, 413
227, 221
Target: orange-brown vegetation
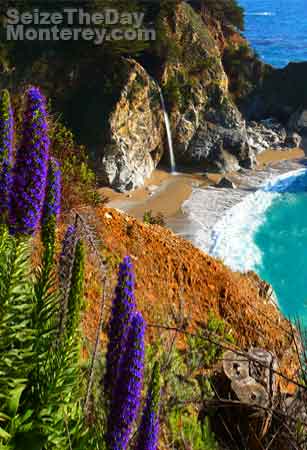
170, 272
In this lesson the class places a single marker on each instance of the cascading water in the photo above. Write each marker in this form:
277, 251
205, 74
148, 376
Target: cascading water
169, 134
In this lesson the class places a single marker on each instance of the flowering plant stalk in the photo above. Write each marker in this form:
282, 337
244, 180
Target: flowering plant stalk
30, 170
66, 265
126, 399
149, 427
51, 207
122, 310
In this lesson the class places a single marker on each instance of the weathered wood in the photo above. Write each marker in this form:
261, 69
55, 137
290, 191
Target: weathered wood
236, 367
252, 376
250, 392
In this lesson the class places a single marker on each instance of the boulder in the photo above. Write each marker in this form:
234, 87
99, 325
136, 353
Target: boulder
266, 134
226, 183
293, 140
220, 142
136, 132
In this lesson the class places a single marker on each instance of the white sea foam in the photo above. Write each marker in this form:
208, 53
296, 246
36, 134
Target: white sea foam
231, 237
264, 13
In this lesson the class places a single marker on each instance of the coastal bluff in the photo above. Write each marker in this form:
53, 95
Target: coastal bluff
170, 270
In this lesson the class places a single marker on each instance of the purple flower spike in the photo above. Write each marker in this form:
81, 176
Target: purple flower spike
126, 400
6, 150
30, 171
122, 310
149, 427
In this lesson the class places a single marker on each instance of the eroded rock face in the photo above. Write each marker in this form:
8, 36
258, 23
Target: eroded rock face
220, 142
298, 121
209, 131
270, 134
136, 131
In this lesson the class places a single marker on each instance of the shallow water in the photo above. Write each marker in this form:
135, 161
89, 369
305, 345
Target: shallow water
282, 240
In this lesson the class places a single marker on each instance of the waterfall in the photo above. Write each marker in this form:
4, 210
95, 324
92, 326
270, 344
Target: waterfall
169, 134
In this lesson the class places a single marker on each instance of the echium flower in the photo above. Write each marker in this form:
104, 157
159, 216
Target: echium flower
126, 399
52, 204
30, 170
6, 150
122, 310
149, 427
66, 264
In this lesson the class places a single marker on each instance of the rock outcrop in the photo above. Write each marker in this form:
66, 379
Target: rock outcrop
298, 121
282, 93
136, 130
220, 143
209, 131
271, 134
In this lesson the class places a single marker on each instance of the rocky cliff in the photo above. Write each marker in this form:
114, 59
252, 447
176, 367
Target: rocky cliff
135, 131
208, 129
212, 82
210, 78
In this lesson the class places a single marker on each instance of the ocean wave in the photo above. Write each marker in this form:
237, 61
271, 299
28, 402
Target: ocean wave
232, 236
264, 13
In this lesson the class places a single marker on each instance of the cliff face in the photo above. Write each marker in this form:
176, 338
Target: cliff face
208, 129
135, 132
282, 93
208, 75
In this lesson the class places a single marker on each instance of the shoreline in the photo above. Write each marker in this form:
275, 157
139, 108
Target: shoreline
166, 193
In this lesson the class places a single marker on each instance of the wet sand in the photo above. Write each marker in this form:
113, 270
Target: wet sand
165, 192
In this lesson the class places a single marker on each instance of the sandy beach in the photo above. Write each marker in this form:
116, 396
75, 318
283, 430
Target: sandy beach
165, 192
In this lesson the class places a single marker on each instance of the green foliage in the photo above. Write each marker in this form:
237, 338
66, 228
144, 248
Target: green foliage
227, 11
78, 179
40, 382
172, 94
16, 332
245, 71
152, 219
189, 433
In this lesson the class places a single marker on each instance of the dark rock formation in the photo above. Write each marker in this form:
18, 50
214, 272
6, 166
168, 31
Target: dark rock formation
298, 121
270, 134
226, 183
282, 93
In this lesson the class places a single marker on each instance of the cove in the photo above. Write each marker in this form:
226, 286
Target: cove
267, 233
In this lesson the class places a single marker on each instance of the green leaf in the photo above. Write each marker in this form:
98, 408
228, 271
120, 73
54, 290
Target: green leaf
4, 435
13, 402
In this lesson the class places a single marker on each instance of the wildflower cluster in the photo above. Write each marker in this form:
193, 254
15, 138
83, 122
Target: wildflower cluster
126, 399
122, 310
51, 208
125, 368
30, 192
149, 428
30, 170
